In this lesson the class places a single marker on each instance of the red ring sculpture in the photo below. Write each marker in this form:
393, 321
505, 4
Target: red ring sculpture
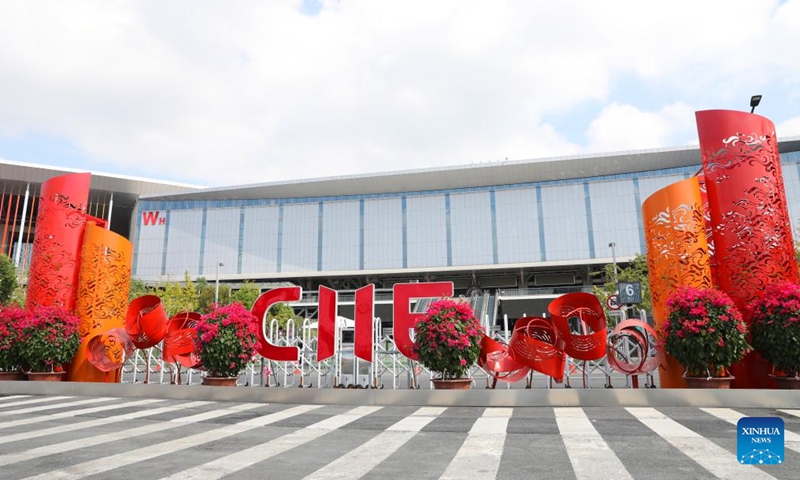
179, 342
586, 308
639, 333
146, 322
108, 351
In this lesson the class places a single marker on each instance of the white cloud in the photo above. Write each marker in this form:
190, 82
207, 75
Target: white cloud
625, 127
789, 128
255, 91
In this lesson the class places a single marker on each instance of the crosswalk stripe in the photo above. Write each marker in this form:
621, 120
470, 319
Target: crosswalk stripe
30, 401
706, 453
56, 406
100, 421
258, 453
73, 413
589, 454
791, 440
480, 453
358, 462
795, 413
114, 436
212, 414
105, 464
11, 397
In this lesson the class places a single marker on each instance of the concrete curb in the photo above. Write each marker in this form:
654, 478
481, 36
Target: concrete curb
471, 398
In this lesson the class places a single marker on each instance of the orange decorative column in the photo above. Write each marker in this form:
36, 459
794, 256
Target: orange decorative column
677, 255
102, 302
753, 244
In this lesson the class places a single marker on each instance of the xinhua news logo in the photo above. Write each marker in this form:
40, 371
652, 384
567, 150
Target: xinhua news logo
759, 440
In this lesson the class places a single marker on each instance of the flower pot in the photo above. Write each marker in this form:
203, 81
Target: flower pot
709, 382
12, 376
786, 383
46, 376
456, 384
220, 381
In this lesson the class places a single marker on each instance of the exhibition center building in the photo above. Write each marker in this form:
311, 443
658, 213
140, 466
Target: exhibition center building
512, 235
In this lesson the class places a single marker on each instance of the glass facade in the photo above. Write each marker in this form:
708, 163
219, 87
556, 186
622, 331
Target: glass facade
565, 221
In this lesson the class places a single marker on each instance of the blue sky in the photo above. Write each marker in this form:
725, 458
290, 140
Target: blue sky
213, 93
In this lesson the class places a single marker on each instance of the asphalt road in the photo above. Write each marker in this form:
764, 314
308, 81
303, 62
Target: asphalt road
108, 438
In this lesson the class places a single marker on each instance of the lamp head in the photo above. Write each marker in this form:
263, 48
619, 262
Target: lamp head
755, 100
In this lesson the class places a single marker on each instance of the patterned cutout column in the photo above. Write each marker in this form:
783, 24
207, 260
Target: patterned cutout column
752, 234
102, 303
60, 222
677, 255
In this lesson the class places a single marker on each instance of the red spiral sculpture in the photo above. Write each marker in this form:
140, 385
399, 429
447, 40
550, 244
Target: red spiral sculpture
534, 345
497, 362
179, 342
587, 310
146, 322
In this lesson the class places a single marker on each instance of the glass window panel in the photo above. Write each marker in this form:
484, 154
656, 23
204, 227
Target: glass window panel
426, 225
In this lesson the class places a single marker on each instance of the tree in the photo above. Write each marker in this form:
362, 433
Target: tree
19, 296
636, 271
283, 312
8, 279
247, 294
178, 297
207, 291
138, 288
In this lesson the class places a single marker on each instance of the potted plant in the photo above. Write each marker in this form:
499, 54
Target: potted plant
705, 333
49, 339
11, 320
447, 340
226, 340
775, 330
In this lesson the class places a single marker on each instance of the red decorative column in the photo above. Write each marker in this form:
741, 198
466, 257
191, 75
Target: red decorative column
753, 244
55, 262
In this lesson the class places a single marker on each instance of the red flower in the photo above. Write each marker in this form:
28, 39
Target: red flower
704, 330
227, 338
447, 338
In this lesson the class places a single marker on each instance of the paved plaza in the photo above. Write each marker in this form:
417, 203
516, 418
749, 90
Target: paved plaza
54, 437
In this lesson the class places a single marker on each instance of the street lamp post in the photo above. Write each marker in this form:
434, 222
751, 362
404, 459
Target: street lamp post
216, 283
613, 247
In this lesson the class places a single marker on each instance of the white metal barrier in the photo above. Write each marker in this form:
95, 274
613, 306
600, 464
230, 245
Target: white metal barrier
388, 369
